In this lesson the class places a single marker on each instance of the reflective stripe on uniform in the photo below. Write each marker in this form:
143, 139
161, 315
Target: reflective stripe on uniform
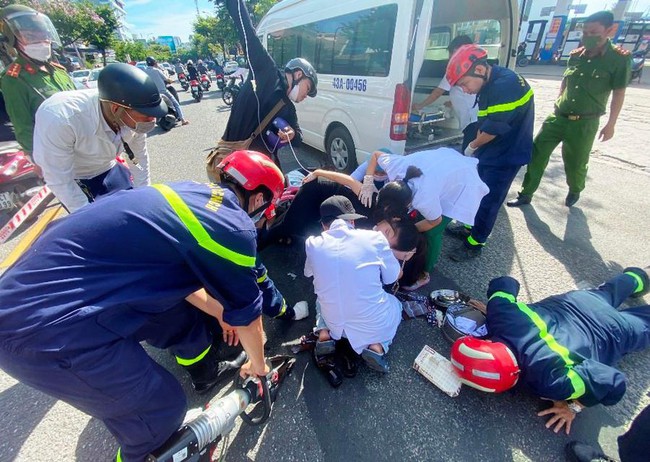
118, 456
189, 362
576, 381
639, 281
283, 309
263, 277
507, 107
197, 230
474, 242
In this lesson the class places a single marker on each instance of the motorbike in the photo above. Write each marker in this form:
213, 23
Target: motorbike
221, 82
168, 121
197, 90
205, 82
231, 91
638, 61
182, 78
18, 179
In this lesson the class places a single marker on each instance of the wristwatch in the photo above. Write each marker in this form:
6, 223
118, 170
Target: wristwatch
574, 407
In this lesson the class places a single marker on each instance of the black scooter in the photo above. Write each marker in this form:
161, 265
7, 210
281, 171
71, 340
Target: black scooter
638, 61
231, 91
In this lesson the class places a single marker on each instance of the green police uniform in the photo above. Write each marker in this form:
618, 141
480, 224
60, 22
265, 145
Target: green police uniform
24, 87
588, 84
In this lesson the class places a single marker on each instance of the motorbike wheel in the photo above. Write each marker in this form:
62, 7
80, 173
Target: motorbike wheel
228, 97
523, 62
198, 97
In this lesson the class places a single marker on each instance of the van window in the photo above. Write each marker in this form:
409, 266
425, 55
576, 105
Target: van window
358, 43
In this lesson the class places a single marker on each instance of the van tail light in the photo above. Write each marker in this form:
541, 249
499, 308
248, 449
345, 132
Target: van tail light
400, 116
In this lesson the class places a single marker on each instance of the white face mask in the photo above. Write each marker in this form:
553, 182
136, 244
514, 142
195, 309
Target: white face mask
141, 127
41, 51
293, 95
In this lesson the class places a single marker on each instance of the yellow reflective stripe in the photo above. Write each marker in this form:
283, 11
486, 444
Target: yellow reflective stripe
576, 381
639, 281
263, 278
189, 362
197, 230
473, 241
506, 107
118, 456
283, 309
505, 295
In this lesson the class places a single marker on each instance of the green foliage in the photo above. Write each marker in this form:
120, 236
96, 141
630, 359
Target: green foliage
160, 52
129, 51
102, 35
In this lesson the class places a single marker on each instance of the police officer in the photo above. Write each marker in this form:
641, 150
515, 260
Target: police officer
76, 307
564, 347
78, 135
32, 77
260, 95
506, 113
594, 70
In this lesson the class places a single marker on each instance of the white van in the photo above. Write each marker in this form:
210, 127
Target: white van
368, 53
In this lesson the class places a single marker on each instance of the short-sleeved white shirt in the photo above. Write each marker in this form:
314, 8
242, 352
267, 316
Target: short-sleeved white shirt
449, 184
463, 104
349, 267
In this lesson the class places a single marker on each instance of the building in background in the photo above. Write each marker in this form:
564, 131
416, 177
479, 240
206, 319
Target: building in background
173, 42
122, 32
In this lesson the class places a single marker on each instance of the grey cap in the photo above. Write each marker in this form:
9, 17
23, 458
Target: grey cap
338, 207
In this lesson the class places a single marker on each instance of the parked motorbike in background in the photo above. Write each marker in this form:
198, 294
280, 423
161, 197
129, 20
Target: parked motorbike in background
182, 78
168, 121
18, 179
197, 90
638, 61
231, 91
221, 82
205, 82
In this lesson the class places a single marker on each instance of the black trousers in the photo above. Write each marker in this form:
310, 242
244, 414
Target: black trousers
634, 445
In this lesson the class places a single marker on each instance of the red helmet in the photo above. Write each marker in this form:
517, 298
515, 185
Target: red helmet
252, 169
463, 62
484, 365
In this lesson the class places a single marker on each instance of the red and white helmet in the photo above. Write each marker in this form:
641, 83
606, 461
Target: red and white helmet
252, 169
464, 61
484, 365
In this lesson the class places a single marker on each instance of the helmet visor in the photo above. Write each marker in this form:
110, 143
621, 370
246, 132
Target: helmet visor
29, 28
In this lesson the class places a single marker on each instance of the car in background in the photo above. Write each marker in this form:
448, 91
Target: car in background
169, 68
80, 77
141, 64
230, 66
92, 78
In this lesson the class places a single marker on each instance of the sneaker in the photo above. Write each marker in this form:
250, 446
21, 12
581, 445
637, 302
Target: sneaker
645, 280
301, 310
422, 281
209, 371
458, 230
375, 361
580, 452
571, 199
323, 348
464, 253
522, 199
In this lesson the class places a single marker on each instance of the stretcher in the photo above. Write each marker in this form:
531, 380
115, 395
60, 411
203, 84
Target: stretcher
422, 124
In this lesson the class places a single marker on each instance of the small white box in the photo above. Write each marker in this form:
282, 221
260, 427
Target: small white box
438, 370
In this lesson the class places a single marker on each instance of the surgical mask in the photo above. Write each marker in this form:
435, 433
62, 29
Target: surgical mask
293, 95
591, 42
141, 128
41, 51
258, 216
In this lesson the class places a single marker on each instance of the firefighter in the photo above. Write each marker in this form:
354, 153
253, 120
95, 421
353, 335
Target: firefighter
564, 347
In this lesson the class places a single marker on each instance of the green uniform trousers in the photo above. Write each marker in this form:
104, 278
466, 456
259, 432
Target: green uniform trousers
577, 138
434, 240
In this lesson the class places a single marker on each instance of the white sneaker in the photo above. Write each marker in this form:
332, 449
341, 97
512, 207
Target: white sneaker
301, 309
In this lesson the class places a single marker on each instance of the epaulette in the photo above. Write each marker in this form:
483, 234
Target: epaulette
58, 66
30, 69
622, 51
13, 70
576, 51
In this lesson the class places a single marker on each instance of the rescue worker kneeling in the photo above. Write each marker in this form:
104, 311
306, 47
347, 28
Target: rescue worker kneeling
563, 347
127, 269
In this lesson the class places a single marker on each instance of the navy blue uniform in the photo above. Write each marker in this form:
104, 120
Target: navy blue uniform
506, 110
567, 345
77, 304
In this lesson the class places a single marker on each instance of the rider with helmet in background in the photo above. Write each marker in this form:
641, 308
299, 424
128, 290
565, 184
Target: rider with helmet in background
135, 267
33, 76
564, 347
78, 135
268, 92
162, 80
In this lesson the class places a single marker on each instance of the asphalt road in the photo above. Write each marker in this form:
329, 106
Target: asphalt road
549, 248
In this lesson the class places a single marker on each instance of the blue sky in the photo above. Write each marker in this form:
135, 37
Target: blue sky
164, 17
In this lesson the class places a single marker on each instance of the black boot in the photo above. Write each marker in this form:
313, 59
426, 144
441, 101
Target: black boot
645, 281
522, 199
209, 371
348, 358
329, 368
571, 199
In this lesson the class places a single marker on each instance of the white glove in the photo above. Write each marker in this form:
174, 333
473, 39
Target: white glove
367, 190
469, 150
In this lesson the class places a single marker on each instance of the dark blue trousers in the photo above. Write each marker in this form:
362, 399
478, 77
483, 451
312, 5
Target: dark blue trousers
112, 180
498, 179
139, 401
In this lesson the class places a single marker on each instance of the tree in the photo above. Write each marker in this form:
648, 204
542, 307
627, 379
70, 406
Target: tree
130, 51
160, 52
102, 35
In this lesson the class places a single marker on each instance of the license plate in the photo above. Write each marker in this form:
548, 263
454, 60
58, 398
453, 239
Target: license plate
6, 201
